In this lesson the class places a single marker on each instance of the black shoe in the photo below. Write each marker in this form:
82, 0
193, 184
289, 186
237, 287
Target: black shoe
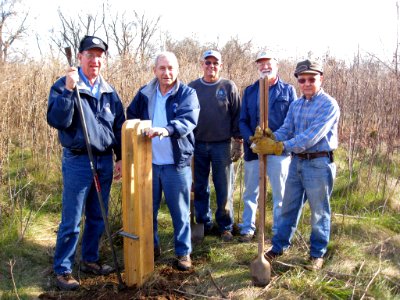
271, 255
67, 282
95, 268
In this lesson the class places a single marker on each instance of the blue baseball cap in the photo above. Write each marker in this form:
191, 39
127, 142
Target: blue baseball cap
90, 42
212, 53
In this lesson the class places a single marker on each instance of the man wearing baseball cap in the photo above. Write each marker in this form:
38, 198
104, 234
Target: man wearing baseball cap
281, 95
104, 116
310, 133
218, 144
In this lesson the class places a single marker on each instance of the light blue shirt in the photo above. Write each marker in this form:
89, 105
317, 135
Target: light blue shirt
311, 125
95, 89
161, 148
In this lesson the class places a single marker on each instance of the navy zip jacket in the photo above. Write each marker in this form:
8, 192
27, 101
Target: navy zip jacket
182, 109
281, 95
104, 117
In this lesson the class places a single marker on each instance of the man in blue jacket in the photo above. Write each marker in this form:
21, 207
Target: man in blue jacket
174, 109
281, 95
104, 115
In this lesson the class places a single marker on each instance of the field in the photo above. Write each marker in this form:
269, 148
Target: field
362, 261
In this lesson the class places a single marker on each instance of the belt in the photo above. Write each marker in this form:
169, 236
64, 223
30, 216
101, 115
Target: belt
313, 155
84, 151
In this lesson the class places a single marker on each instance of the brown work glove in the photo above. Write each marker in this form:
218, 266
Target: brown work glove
258, 134
267, 145
236, 149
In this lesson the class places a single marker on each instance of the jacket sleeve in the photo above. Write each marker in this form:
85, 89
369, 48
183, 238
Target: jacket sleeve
244, 120
235, 112
60, 106
117, 127
187, 115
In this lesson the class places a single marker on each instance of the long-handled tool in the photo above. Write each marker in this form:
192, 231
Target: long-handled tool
260, 267
197, 229
121, 284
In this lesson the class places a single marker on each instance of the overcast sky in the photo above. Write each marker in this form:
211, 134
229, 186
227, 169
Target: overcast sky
291, 27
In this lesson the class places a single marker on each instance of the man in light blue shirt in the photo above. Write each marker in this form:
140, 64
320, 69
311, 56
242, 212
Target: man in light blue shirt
174, 110
310, 133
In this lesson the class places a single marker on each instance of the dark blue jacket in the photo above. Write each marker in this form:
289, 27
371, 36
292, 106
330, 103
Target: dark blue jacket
104, 117
281, 94
182, 109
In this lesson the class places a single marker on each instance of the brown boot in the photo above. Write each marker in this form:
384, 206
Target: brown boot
315, 264
184, 263
67, 282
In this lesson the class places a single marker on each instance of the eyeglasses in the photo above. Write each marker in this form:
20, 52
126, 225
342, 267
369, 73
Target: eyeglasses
303, 80
91, 56
207, 62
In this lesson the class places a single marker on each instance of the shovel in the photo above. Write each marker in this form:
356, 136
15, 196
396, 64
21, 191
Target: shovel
197, 229
260, 267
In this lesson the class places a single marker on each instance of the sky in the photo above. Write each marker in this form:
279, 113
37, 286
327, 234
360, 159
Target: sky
292, 28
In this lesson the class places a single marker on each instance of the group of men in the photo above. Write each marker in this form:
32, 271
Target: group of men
206, 120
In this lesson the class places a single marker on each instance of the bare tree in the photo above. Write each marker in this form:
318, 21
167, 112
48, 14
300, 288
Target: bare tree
9, 35
73, 29
123, 33
147, 28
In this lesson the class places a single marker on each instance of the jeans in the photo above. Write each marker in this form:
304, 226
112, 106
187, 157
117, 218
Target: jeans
310, 180
217, 157
277, 171
79, 194
175, 183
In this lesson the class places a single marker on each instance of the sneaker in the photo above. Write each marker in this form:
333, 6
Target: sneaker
157, 252
67, 282
184, 262
246, 238
271, 255
226, 236
315, 263
96, 268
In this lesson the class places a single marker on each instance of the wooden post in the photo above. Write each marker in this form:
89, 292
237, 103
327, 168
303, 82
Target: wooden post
137, 202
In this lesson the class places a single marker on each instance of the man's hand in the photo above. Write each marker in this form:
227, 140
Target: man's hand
157, 131
236, 149
72, 78
118, 170
267, 145
268, 133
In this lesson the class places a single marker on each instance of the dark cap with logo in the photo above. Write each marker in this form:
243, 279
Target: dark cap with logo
309, 67
90, 42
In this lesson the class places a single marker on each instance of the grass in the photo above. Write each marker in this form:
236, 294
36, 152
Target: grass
362, 259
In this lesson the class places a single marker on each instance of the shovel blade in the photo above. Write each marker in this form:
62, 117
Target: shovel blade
197, 232
260, 271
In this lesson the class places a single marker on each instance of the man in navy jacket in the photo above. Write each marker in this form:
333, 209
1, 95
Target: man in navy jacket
104, 116
174, 109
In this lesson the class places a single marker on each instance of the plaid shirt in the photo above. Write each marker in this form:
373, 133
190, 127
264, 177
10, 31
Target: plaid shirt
311, 125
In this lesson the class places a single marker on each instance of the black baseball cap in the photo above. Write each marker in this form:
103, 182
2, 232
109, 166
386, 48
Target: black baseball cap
90, 42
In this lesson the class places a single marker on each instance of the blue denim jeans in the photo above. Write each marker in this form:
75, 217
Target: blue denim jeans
310, 180
215, 157
176, 184
277, 171
80, 195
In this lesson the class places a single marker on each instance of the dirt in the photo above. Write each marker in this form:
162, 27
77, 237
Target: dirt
167, 283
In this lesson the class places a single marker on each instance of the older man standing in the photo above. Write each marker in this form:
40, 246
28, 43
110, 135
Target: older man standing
104, 116
218, 124
174, 109
281, 95
310, 133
